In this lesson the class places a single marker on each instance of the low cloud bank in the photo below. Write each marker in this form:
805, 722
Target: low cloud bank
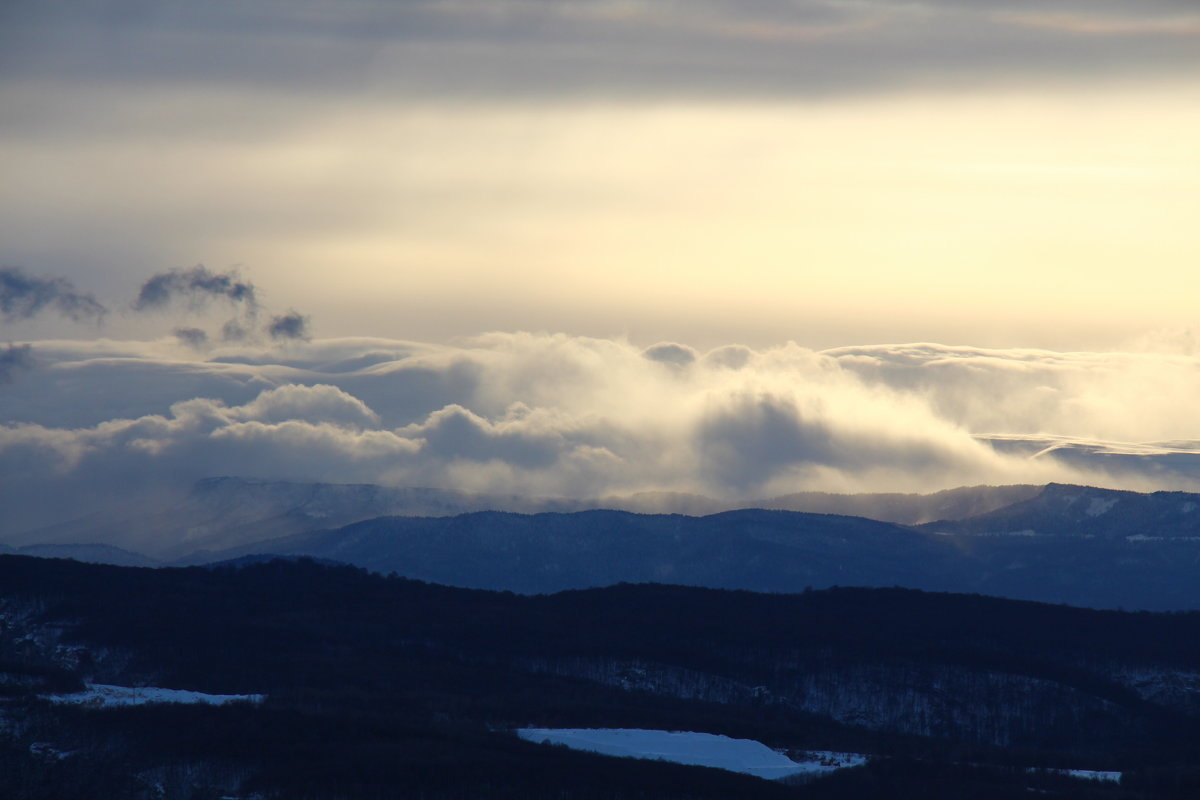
561, 415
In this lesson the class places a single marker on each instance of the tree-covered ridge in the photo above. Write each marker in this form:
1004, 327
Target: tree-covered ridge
1079, 545
401, 683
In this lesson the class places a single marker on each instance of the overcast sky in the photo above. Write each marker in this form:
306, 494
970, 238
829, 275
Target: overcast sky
667, 192
839, 172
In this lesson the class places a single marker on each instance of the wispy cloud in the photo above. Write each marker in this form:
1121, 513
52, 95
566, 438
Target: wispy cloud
1107, 25
197, 286
23, 296
194, 289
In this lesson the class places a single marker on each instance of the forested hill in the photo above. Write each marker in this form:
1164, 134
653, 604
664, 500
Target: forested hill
377, 682
1079, 545
1053, 555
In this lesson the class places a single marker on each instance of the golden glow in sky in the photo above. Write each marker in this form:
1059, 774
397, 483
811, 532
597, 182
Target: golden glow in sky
599, 247
825, 173
945, 216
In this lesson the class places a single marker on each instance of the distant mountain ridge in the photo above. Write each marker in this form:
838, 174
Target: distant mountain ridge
228, 512
1066, 510
774, 551
87, 553
1060, 546
907, 509
1080, 545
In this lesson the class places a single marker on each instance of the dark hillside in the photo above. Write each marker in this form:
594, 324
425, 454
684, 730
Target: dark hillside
377, 682
1049, 549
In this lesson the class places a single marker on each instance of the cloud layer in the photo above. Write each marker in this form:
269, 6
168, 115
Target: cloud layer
539, 47
583, 417
809, 169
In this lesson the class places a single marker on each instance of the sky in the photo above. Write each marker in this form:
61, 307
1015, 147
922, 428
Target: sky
682, 246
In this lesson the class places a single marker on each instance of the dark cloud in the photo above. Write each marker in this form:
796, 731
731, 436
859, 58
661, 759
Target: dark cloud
235, 331
752, 439
671, 354
197, 286
23, 296
607, 46
13, 359
290, 326
192, 337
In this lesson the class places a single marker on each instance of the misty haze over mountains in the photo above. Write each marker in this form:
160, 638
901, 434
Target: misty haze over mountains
538, 415
221, 513
1064, 544
1059, 545
599, 480
554, 462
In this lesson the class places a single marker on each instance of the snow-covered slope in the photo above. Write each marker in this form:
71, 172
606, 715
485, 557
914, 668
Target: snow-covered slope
99, 695
1087, 511
696, 749
907, 509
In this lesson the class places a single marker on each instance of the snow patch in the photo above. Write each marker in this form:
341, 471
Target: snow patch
1099, 506
696, 749
1081, 774
1141, 537
1094, 775
48, 751
100, 695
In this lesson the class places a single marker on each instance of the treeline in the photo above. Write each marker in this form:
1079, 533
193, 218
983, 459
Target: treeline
384, 687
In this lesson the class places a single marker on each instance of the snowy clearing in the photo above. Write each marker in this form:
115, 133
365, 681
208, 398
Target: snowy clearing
104, 696
696, 749
1094, 775
1081, 774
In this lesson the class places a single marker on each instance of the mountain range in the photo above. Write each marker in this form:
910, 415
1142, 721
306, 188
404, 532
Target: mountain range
225, 512
1058, 543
